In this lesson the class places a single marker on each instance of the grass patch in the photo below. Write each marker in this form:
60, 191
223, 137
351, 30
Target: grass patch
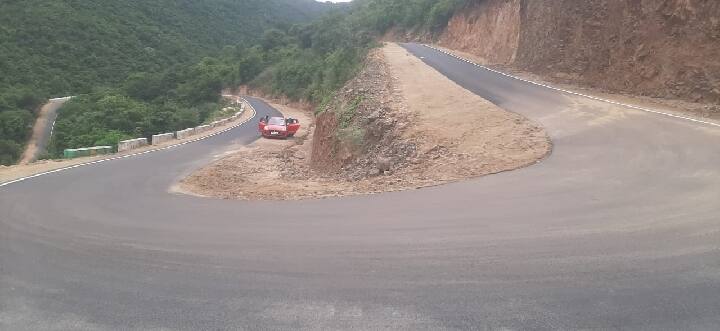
346, 115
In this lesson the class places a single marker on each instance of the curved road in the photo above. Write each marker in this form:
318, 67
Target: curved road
618, 229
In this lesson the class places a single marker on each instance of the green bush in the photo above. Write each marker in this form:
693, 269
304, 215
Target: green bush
10, 151
15, 124
382, 15
441, 12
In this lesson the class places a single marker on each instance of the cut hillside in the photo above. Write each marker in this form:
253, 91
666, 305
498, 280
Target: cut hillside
657, 48
385, 130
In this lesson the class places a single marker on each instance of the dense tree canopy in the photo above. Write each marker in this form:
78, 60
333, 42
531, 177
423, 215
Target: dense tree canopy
66, 47
429, 15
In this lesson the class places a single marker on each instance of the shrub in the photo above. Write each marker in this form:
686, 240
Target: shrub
10, 151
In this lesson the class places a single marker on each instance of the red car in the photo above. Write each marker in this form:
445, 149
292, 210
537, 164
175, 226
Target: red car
278, 127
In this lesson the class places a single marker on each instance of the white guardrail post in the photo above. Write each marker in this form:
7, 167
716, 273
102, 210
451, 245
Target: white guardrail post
161, 138
183, 134
127, 145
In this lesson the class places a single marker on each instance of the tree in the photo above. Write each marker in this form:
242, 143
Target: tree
441, 13
15, 124
144, 86
272, 39
9, 151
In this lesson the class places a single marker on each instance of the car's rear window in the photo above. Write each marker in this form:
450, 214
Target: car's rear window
276, 121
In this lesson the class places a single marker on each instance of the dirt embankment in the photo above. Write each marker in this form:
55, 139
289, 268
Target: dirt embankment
658, 48
359, 133
398, 125
42, 130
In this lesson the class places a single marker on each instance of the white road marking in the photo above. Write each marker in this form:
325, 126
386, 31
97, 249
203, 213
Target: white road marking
135, 154
61, 99
52, 128
579, 94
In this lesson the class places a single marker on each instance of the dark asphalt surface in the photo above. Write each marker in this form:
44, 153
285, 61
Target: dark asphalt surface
618, 229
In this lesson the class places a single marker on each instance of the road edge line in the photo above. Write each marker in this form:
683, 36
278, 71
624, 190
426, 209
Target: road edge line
22, 179
648, 110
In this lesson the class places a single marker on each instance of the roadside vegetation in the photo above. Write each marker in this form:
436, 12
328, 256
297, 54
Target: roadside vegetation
56, 48
422, 16
162, 69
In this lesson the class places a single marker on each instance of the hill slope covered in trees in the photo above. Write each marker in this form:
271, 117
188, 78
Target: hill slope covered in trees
162, 67
306, 61
68, 47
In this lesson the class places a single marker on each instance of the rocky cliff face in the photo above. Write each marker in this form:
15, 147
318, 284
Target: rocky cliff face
660, 48
489, 29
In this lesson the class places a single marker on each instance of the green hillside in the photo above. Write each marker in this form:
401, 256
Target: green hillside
68, 47
146, 68
307, 61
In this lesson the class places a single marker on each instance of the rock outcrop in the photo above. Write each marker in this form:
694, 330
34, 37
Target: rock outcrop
658, 48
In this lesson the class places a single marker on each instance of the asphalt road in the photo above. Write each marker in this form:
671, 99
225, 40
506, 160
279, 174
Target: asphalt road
618, 229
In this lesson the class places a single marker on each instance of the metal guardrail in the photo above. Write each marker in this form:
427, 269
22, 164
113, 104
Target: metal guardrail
88, 151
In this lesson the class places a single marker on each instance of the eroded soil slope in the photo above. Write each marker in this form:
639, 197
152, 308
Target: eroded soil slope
659, 48
398, 125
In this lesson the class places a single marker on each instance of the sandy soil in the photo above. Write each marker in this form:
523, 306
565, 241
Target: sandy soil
9, 173
701, 111
484, 139
258, 169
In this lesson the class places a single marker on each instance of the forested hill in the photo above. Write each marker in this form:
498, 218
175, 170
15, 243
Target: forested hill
65, 47
54, 48
146, 67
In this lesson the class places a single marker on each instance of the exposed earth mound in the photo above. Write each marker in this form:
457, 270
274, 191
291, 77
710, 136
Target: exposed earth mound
398, 125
